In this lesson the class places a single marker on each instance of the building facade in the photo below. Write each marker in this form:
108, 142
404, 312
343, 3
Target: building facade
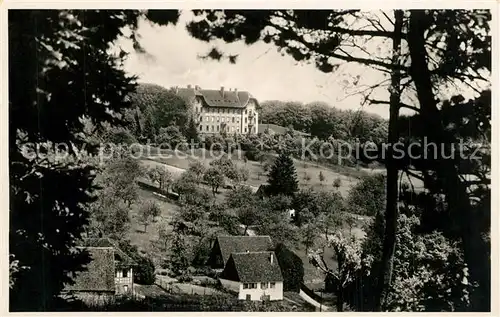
254, 276
222, 111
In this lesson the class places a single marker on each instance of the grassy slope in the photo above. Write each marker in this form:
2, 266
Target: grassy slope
176, 164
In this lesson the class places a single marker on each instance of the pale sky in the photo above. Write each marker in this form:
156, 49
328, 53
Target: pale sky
172, 60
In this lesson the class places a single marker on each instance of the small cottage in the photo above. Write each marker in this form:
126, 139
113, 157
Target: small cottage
109, 273
254, 276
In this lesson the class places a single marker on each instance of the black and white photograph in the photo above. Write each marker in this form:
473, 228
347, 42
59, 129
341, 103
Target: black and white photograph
248, 159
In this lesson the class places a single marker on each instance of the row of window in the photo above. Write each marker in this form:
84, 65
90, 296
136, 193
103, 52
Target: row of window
122, 273
263, 285
211, 128
223, 110
224, 119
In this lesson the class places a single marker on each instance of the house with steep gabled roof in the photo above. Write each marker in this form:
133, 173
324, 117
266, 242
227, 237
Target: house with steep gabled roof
217, 111
254, 276
224, 246
109, 272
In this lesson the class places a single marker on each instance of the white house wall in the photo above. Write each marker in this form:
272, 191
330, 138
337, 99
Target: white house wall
256, 294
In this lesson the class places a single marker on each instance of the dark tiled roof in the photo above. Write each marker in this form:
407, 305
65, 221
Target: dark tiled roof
233, 244
124, 259
99, 275
214, 98
256, 267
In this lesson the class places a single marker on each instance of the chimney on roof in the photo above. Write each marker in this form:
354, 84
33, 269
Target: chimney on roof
189, 86
272, 258
222, 91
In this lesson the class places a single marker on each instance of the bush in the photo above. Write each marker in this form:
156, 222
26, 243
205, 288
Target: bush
145, 271
292, 268
253, 154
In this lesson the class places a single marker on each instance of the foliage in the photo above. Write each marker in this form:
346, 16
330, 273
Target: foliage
367, 197
171, 138
321, 177
192, 134
49, 198
240, 196
198, 169
158, 108
429, 270
351, 264
185, 184
144, 272
160, 175
178, 260
148, 211
292, 268
215, 178
283, 177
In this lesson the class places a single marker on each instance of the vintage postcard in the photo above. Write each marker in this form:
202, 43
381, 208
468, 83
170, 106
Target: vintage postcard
191, 158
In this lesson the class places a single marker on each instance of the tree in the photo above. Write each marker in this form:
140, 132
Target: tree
192, 131
248, 216
283, 177
185, 184
178, 260
198, 169
308, 232
160, 175
350, 264
214, 178
337, 182
144, 272
121, 174
171, 137
321, 177
48, 49
240, 196
148, 211
367, 197
292, 268
163, 105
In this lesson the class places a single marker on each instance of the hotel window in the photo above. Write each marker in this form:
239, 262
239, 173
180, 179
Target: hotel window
253, 285
232, 129
245, 130
233, 119
212, 119
263, 285
245, 285
246, 111
245, 120
217, 128
207, 127
218, 118
272, 285
208, 118
218, 110
212, 128
125, 273
238, 130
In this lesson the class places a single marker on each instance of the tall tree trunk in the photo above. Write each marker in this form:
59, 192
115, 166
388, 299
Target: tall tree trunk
476, 250
391, 211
